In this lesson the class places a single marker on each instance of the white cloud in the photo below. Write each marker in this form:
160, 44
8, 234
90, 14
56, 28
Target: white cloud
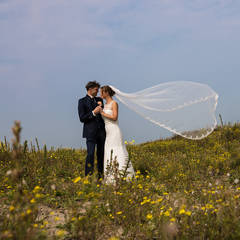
37, 32
92, 23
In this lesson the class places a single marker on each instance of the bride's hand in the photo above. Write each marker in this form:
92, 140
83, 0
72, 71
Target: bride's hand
99, 103
103, 113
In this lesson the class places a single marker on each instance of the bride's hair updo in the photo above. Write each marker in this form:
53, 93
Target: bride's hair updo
108, 90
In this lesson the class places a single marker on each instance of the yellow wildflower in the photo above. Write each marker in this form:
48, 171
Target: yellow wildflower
114, 238
119, 193
85, 181
11, 208
38, 195
36, 189
119, 213
209, 206
60, 233
182, 211
29, 211
76, 179
167, 214
188, 213
149, 216
215, 210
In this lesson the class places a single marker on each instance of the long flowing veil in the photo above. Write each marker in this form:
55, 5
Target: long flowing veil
184, 108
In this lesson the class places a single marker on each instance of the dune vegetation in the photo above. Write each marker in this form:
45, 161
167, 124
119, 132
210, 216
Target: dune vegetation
183, 189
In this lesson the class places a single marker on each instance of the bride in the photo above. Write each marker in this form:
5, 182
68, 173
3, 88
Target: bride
115, 152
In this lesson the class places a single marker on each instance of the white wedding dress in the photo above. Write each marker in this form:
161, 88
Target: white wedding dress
115, 149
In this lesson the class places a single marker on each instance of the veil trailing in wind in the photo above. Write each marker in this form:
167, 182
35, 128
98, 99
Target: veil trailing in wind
184, 108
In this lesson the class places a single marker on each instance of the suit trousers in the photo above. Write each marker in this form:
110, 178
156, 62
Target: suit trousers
98, 141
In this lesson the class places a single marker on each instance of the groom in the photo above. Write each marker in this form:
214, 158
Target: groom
93, 127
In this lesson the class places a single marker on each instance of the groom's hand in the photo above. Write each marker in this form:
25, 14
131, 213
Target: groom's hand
97, 110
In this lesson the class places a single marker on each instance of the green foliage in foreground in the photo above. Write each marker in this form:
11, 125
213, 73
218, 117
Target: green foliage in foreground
183, 189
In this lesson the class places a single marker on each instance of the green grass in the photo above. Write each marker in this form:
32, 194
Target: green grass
183, 189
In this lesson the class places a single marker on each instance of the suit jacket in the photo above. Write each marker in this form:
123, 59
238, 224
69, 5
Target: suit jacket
91, 123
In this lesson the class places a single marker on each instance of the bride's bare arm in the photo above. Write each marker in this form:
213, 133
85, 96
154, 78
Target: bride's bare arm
114, 116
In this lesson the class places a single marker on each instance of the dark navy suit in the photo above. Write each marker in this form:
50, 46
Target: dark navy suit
93, 131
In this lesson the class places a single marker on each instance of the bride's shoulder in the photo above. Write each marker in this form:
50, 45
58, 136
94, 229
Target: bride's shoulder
114, 102
114, 105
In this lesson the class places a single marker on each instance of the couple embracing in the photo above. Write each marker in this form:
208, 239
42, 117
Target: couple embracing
101, 130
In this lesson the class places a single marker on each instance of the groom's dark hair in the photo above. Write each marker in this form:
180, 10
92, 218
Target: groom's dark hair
92, 84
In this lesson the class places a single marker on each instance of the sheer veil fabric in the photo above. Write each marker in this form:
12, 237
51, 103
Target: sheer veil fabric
184, 108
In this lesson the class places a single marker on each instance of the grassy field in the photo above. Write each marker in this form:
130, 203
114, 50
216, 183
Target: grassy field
183, 189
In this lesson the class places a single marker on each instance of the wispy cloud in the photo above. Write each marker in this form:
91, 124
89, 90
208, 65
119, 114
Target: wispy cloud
36, 32
40, 33
81, 24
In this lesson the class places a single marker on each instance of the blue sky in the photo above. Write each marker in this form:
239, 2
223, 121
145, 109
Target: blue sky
50, 49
